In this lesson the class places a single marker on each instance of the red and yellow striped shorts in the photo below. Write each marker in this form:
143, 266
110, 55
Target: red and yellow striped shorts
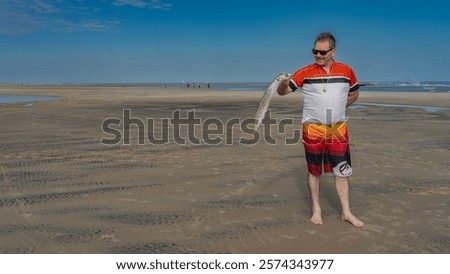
327, 147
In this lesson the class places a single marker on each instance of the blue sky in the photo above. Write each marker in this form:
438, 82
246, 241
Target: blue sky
55, 41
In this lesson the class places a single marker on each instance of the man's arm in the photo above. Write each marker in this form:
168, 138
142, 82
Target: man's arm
352, 97
284, 88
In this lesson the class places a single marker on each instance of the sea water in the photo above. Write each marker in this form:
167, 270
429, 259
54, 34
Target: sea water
425, 86
409, 86
24, 98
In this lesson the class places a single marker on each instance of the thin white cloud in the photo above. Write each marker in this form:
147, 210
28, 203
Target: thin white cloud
92, 25
18, 17
152, 4
157, 5
133, 3
43, 7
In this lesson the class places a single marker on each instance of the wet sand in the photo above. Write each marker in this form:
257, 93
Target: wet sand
62, 191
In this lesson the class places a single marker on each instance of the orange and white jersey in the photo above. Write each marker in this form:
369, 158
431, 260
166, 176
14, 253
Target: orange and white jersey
325, 95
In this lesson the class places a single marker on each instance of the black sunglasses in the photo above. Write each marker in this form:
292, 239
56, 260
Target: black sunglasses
322, 52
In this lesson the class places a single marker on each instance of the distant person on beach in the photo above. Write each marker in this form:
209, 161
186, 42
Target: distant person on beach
328, 87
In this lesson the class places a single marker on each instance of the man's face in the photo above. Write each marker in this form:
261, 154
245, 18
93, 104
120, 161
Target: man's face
326, 59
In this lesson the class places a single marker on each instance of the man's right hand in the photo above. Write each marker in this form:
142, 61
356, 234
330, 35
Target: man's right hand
283, 87
283, 76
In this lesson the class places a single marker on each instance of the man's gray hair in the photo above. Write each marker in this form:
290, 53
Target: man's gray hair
324, 36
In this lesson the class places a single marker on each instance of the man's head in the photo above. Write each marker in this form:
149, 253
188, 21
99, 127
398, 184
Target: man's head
324, 49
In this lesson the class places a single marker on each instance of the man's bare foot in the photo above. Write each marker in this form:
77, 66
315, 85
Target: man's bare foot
317, 217
353, 220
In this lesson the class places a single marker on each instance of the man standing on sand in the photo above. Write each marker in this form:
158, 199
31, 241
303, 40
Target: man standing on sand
329, 88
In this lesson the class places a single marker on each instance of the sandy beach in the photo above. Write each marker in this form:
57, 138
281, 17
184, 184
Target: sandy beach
63, 191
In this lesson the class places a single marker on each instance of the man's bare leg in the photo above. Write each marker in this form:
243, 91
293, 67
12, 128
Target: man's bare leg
342, 188
314, 190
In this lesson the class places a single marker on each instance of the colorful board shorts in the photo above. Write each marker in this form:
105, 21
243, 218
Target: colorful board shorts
327, 147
